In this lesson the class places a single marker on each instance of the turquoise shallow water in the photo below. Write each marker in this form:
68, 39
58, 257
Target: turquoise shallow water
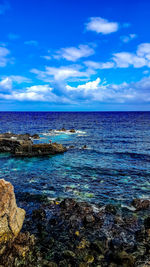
114, 168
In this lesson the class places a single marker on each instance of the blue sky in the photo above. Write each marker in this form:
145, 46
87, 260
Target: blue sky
81, 55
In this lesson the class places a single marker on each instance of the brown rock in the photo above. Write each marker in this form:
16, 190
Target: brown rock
141, 204
72, 131
39, 150
11, 217
35, 136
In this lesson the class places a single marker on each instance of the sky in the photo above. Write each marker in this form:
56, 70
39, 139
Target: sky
83, 55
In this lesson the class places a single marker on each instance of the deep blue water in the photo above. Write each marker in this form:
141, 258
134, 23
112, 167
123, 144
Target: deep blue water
115, 167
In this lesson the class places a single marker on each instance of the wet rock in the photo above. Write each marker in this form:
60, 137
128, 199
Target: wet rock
11, 217
141, 204
8, 145
68, 204
89, 258
89, 218
22, 145
51, 264
72, 131
9, 142
39, 150
62, 129
83, 244
124, 259
35, 136
83, 264
69, 254
39, 215
147, 223
111, 209
99, 246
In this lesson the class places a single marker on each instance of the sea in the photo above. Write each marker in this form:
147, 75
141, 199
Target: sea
113, 168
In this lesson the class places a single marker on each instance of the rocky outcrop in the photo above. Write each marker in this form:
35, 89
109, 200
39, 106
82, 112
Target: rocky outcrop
72, 131
77, 234
141, 204
22, 145
39, 150
11, 217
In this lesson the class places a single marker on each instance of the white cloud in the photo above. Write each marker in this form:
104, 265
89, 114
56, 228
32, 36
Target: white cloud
128, 38
39, 88
42, 93
6, 84
144, 50
125, 59
19, 79
91, 92
75, 53
97, 91
99, 65
15, 79
61, 73
4, 52
101, 25
33, 93
85, 87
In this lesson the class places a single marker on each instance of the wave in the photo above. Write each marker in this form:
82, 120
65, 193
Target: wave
59, 132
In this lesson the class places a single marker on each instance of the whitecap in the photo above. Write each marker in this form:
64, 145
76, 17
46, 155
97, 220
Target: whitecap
128, 207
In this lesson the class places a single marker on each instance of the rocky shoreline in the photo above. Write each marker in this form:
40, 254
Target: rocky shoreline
70, 233
21, 145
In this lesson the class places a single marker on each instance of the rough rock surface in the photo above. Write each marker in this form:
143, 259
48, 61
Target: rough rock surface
39, 150
11, 217
22, 145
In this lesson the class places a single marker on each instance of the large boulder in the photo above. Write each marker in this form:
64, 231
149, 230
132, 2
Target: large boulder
11, 217
9, 142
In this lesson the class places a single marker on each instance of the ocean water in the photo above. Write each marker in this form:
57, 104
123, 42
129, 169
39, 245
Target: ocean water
115, 167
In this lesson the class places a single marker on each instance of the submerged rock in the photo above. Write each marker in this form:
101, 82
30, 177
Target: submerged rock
11, 217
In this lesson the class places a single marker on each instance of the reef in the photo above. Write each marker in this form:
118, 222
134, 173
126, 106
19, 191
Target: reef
74, 234
22, 145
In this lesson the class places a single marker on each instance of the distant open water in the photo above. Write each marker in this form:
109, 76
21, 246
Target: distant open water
115, 167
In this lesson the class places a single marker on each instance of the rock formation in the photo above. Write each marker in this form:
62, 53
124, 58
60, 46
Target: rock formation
39, 150
22, 145
11, 217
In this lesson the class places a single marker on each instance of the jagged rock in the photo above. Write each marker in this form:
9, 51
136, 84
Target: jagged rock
62, 129
141, 204
39, 150
11, 217
147, 223
9, 141
22, 145
35, 136
72, 131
